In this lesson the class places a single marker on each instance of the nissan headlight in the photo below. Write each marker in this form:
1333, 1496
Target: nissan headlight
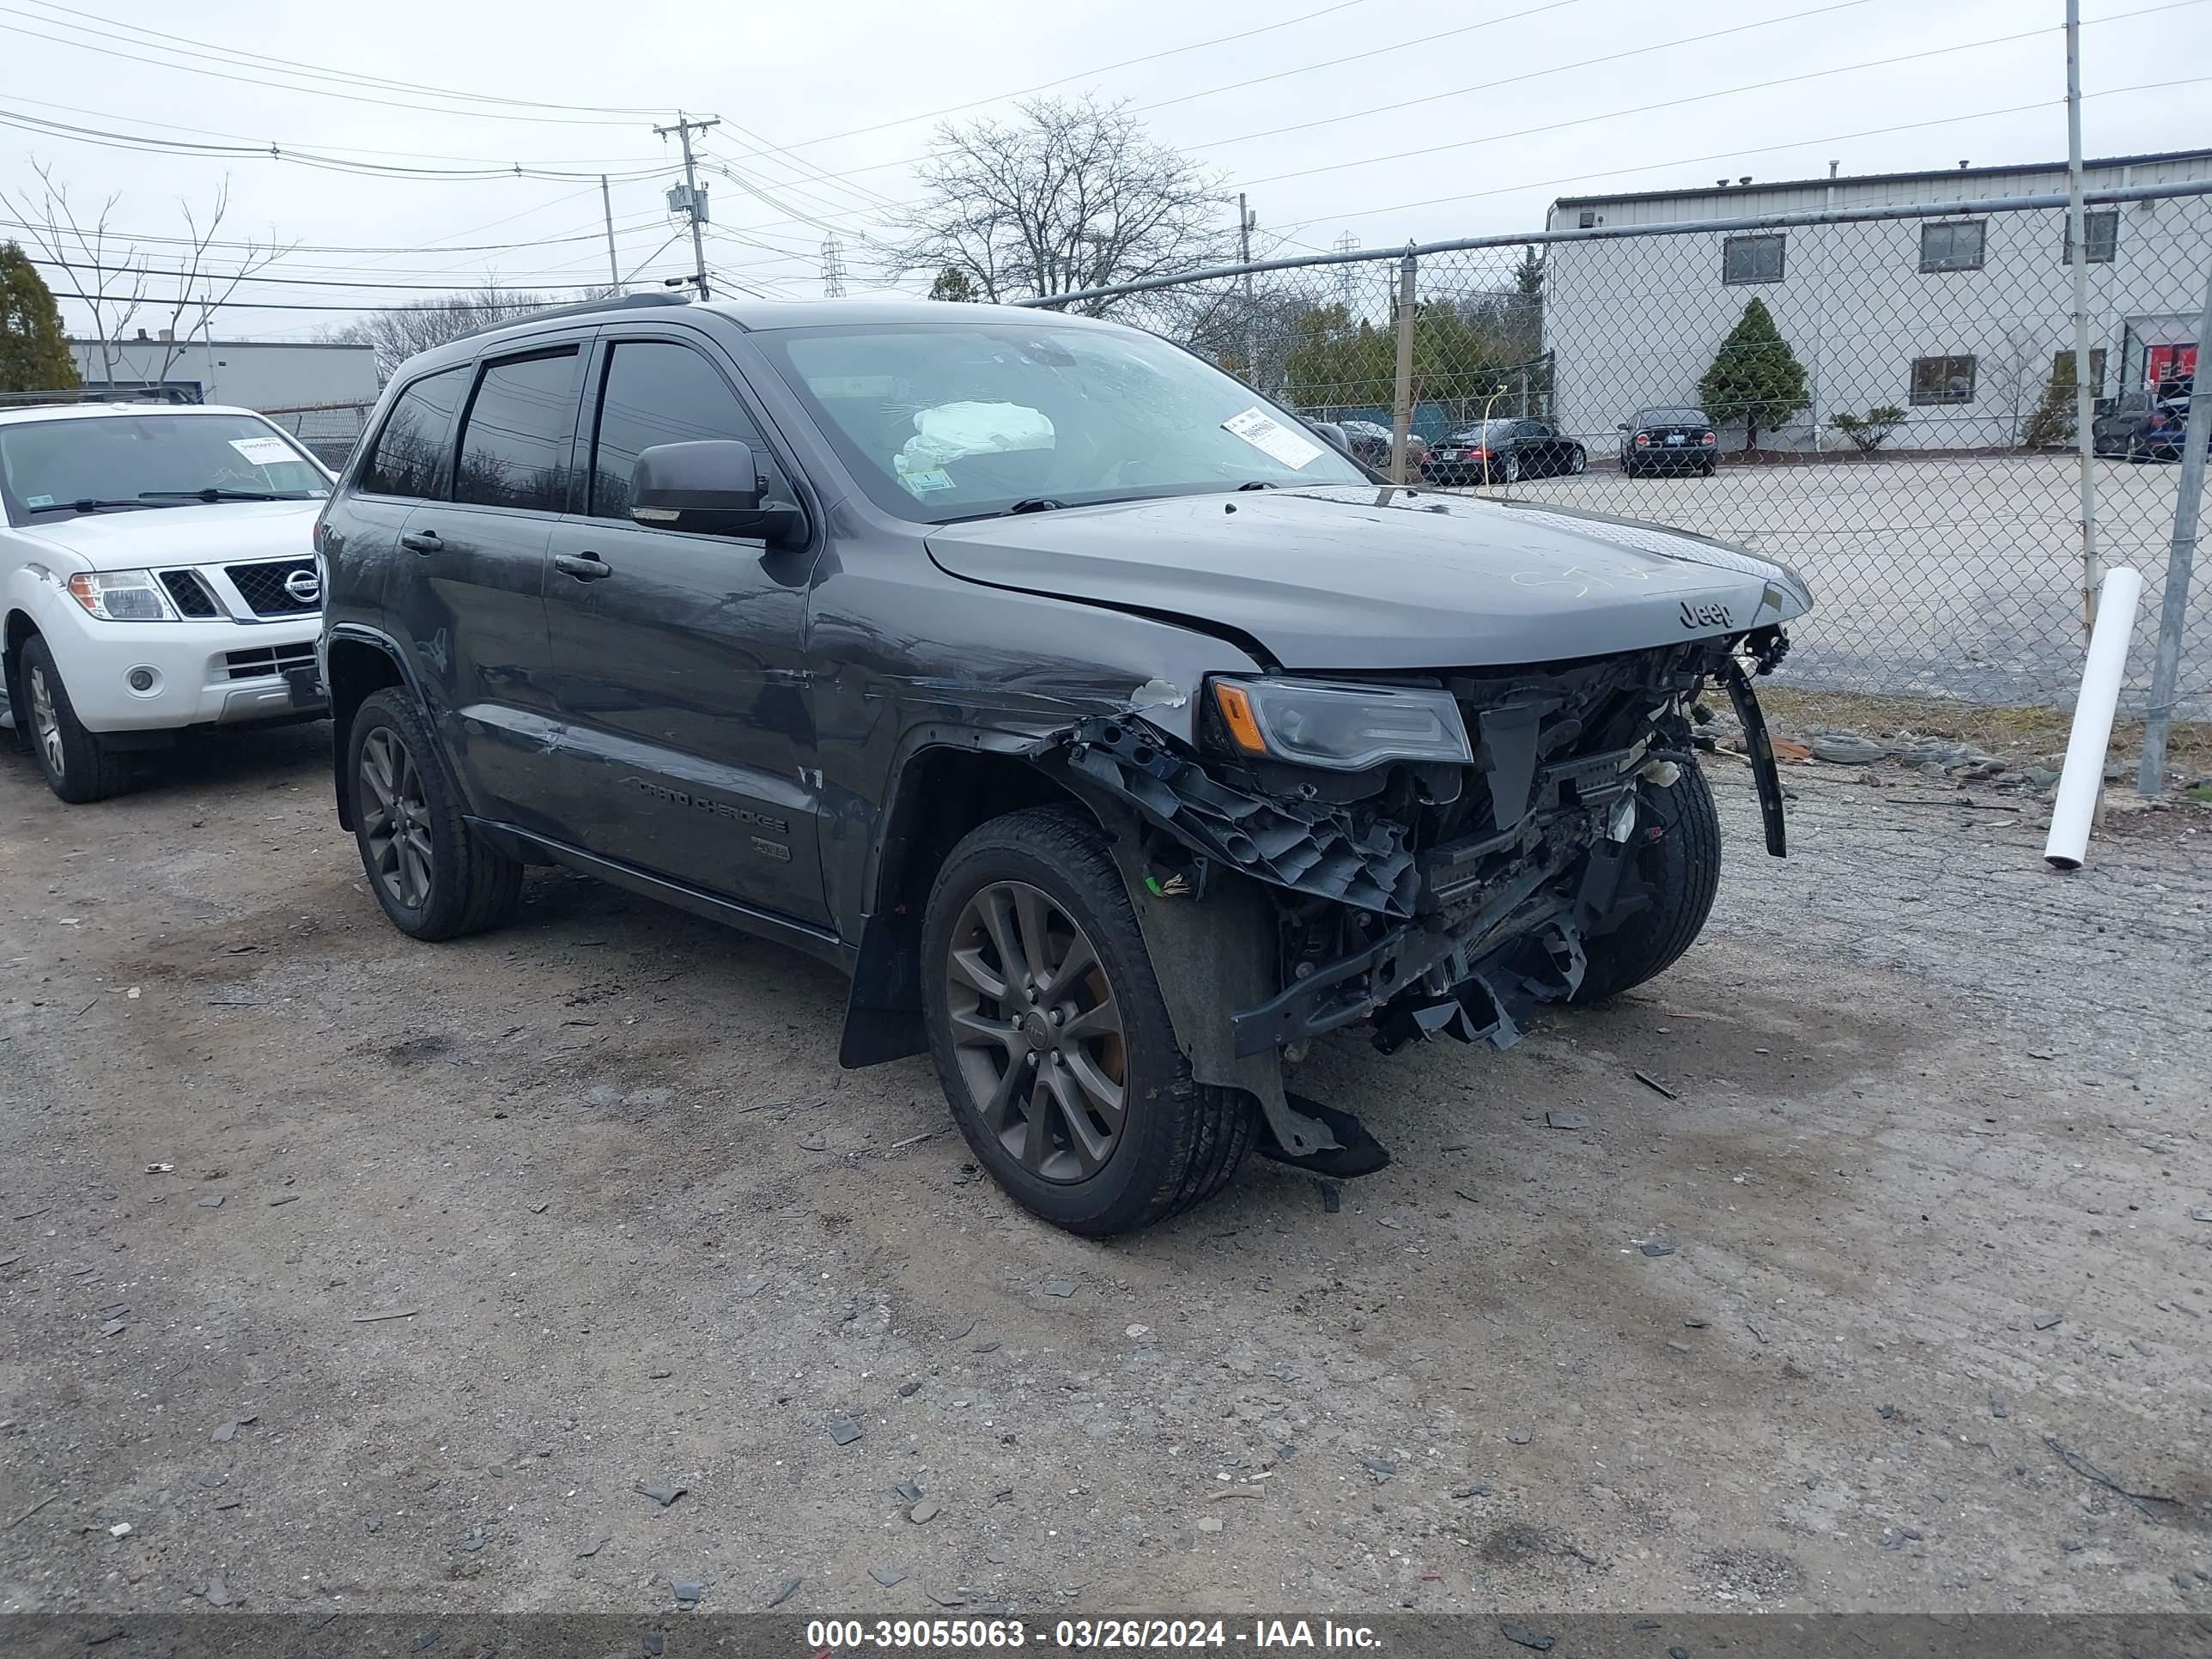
122, 595
1341, 728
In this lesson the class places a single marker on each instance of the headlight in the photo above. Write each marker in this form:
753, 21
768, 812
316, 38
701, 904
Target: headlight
1343, 728
122, 595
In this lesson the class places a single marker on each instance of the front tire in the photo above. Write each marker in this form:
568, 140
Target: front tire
1681, 866
1577, 461
435, 878
78, 767
1051, 1037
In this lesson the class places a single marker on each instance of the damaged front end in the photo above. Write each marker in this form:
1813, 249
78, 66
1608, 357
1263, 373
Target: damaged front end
1293, 879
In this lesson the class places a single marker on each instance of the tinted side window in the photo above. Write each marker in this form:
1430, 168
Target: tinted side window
657, 394
515, 442
409, 458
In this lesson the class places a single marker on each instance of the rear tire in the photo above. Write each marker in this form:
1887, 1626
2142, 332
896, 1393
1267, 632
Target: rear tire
1683, 867
77, 766
435, 878
1106, 1131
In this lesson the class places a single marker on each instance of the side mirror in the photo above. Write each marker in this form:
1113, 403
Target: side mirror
1621, 427
712, 487
1333, 433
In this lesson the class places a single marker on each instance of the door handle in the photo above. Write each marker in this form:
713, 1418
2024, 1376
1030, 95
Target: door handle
421, 541
584, 567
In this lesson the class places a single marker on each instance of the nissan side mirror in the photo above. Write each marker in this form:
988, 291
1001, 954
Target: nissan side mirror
1333, 433
711, 488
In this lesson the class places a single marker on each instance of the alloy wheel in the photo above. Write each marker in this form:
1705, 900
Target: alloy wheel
45, 722
395, 819
1036, 1031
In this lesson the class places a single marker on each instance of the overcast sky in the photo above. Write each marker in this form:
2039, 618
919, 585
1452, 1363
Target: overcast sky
1421, 120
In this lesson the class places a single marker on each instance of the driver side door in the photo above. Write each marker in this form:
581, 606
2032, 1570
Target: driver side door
678, 657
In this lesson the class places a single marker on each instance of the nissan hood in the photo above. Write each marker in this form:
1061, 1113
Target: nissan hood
200, 532
1360, 577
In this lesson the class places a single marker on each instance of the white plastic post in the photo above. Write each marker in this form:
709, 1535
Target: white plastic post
2083, 778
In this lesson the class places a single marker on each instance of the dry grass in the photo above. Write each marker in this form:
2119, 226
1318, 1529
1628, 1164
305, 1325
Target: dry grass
2014, 733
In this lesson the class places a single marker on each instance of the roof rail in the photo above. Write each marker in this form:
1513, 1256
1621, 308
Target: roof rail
582, 308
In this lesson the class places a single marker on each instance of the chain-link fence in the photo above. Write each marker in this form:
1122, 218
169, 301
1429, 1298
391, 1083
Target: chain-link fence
1885, 398
329, 430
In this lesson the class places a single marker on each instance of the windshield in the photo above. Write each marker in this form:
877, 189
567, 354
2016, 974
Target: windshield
1672, 417
940, 421
150, 460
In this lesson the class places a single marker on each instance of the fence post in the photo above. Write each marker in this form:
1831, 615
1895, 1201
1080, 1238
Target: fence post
1401, 404
2181, 557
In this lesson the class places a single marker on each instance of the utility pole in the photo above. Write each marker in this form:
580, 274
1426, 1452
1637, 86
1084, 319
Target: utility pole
1245, 220
2093, 574
690, 201
1347, 276
833, 269
607, 203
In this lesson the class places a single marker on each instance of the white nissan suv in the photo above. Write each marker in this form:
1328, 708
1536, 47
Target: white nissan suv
155, 572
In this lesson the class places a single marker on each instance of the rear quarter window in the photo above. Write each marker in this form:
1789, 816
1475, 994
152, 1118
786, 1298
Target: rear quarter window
412, 450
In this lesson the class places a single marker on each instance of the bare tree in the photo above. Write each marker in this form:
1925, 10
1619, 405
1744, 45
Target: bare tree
109, 278
205, 282
1071, 195
400, 333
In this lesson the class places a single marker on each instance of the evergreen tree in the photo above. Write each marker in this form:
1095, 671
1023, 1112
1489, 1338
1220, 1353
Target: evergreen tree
2051, 426
954, 285
1755, 377
34, 353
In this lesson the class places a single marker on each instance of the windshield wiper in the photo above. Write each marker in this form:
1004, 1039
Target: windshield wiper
212, 494
82, 504
1037, 504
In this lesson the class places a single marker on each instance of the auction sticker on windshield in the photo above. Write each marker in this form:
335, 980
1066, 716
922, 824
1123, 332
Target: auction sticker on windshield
264, 451
1271, 438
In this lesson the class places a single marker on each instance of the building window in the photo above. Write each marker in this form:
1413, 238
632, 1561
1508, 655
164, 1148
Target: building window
1942, 380
2061, 364
1752, 260
1952, 245
2102, 233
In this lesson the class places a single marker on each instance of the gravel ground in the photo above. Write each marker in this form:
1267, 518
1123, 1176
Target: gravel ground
1870, 1299
1953, 576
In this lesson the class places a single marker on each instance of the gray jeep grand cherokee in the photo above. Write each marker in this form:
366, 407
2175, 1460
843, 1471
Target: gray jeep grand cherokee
1117, 734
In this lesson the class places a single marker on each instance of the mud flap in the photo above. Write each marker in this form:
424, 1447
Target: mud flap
1764, 774
1212, 954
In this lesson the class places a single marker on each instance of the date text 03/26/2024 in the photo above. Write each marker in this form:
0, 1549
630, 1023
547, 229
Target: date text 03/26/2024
829, 1637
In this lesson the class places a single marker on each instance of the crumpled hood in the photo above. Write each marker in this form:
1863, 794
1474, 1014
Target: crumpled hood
1358, 577
205, 532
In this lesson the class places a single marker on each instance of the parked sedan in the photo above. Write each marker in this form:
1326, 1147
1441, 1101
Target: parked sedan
1674, 438
1370, 441
1503, 450
2142, 428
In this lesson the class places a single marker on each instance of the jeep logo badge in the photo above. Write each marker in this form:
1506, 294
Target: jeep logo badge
304, 585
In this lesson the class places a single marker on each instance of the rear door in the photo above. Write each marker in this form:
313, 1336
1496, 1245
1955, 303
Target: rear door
475, 613
678, 657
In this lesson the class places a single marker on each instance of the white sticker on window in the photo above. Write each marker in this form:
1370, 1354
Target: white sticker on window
1271, 438
922, 482
264, 452
38, 501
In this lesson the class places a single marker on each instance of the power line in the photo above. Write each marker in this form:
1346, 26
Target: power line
1532, 75
350, 95
296, 282
1731, 154
1079, 75
257, 142
1694, 98
324, 71
272, 152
